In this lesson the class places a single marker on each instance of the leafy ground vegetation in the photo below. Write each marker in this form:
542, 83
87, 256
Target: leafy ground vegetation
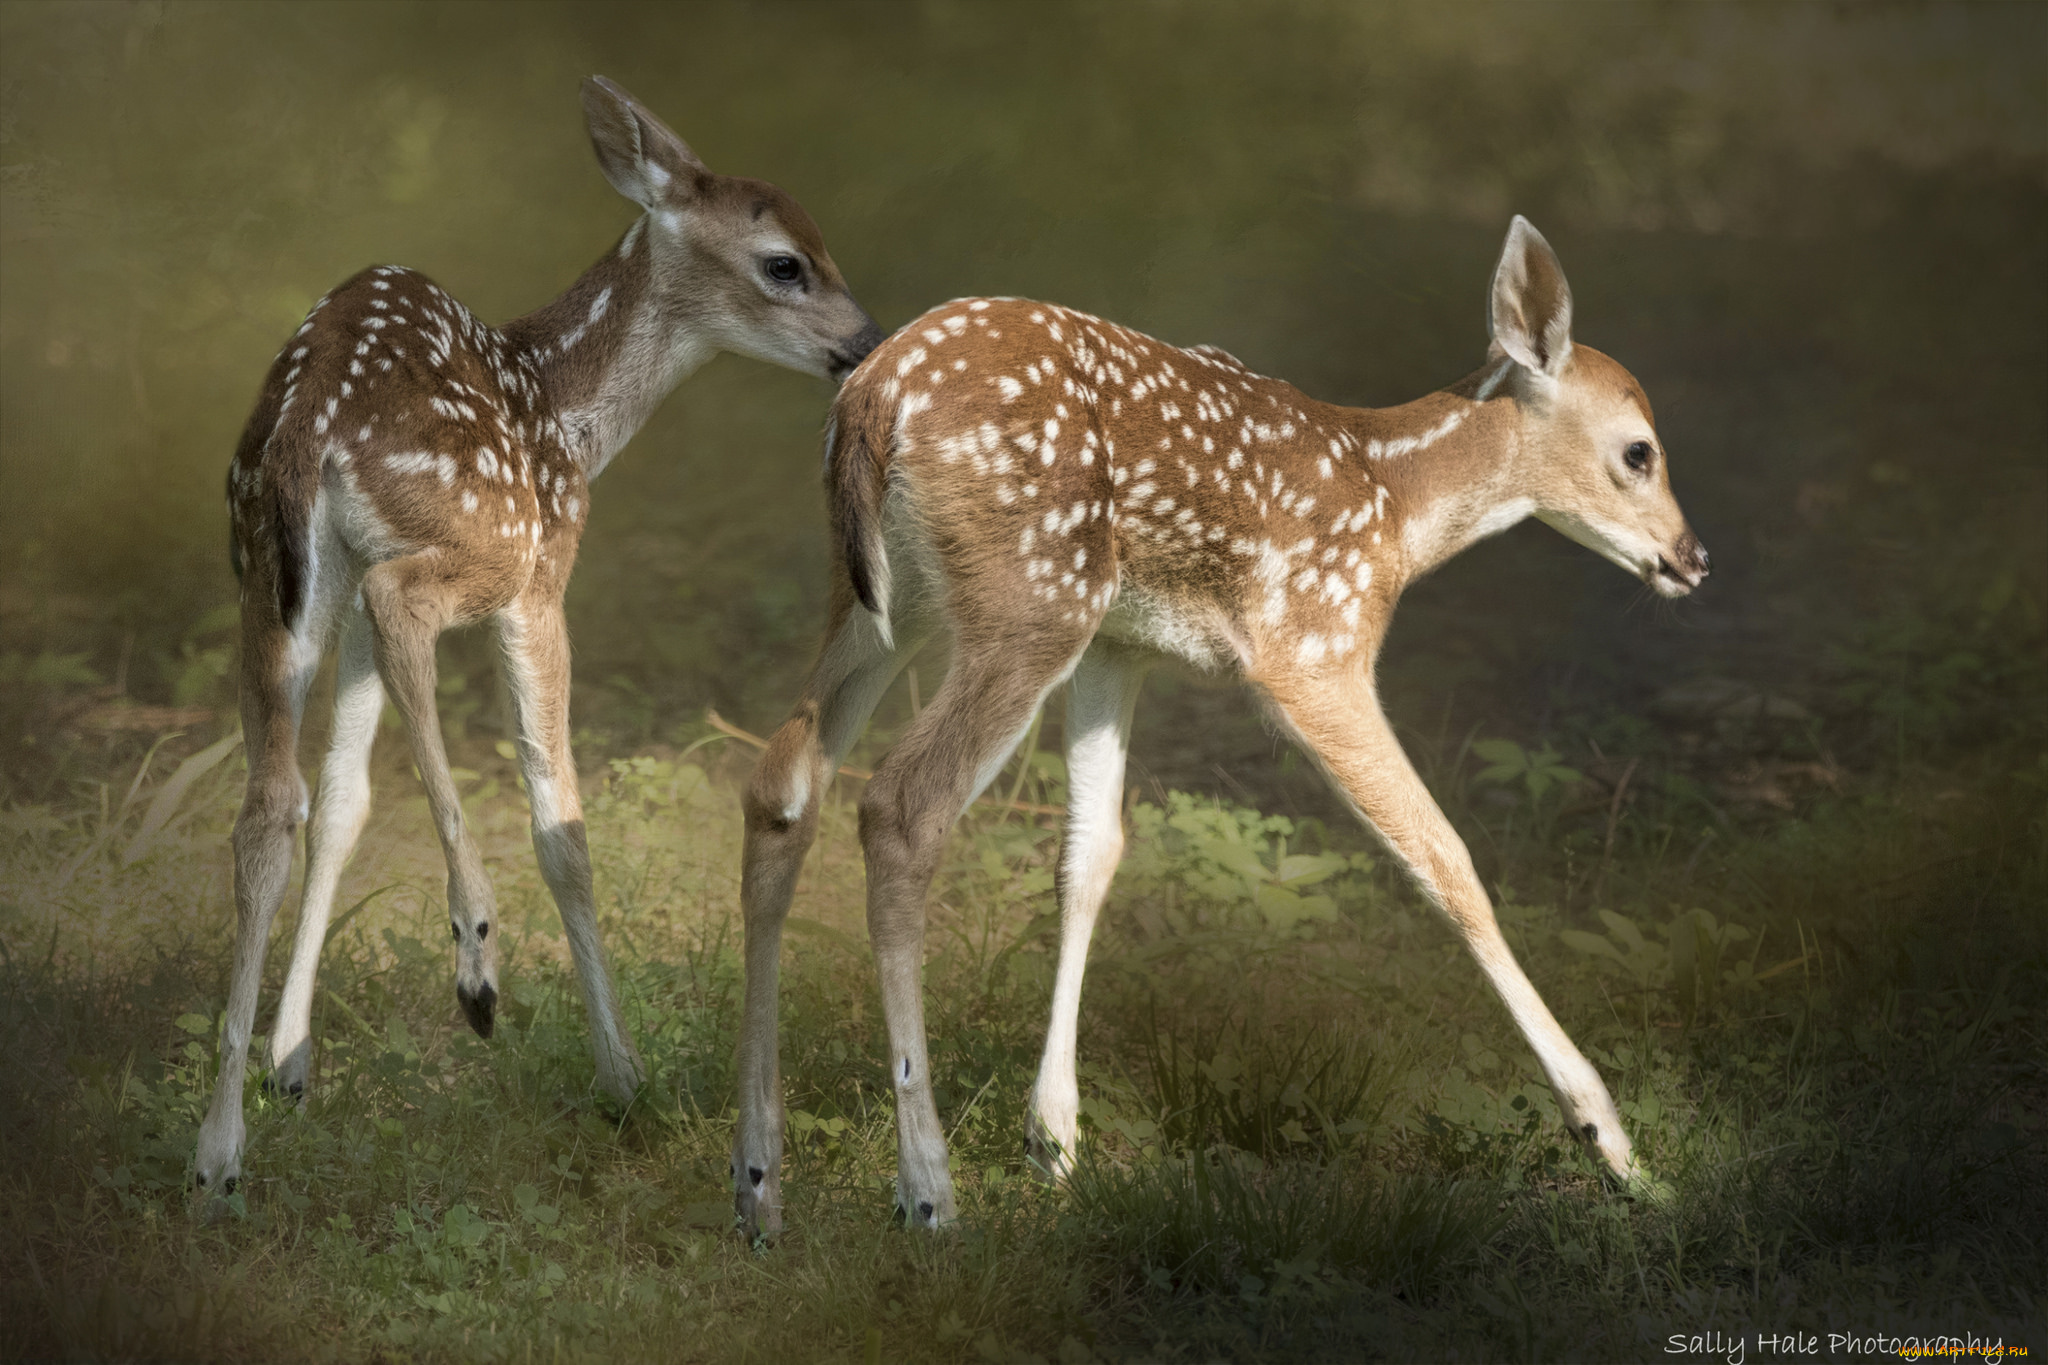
1310, 1132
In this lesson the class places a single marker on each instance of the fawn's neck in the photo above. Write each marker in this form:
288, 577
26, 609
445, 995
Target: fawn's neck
607, 352
1450, 461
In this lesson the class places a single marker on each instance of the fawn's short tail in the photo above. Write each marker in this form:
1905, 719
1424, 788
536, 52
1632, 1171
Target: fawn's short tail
291, 517
859, 441
288, 464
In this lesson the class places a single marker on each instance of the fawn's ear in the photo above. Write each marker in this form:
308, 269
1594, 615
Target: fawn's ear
1531, 316
641, 155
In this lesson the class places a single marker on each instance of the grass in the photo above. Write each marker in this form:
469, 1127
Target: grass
1308, 1131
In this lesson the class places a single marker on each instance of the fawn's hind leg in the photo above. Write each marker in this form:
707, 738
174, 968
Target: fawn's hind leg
340, 806
781, 803
951, 752
1101, 698
277, 667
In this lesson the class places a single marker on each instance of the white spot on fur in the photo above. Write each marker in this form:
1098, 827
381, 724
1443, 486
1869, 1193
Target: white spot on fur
1404, 445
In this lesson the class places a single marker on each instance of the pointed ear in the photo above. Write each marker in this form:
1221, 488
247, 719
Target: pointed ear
641, 155
1531, 317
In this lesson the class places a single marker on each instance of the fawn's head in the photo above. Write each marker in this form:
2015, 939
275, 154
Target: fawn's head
1594, 464
740, 255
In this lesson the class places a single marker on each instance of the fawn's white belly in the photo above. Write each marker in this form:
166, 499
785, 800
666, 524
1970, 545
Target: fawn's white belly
1196, 633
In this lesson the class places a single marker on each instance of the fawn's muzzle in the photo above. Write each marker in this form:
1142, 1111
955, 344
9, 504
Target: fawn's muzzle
849, 353
1687, 564
481, 1009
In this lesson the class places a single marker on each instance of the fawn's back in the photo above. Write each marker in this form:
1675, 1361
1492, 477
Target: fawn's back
1219, 504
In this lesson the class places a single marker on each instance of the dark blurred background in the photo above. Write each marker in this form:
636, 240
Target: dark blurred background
1814, 232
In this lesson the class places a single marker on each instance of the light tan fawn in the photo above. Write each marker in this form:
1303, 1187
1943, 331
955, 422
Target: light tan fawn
1069, 500
409, 468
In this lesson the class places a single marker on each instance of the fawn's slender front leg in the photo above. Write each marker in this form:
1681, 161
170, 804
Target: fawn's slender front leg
340, 806
1340, 720
1101, 698
781, 805
535, 639
410, 602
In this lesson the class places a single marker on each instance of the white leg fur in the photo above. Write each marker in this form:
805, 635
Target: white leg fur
339, 809
1101, 699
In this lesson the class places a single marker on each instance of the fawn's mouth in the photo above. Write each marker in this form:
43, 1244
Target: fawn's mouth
480, 1007
1671, 581
846, 357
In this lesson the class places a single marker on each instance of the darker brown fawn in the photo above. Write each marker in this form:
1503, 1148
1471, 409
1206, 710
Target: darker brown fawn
409, 468
1069, 500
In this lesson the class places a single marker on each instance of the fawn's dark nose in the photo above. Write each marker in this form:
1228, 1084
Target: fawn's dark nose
849, 353
1686, 566
1692, 558
480, 1009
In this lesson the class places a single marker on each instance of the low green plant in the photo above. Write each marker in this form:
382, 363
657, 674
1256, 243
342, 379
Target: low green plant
49, 670
1696, 967
1535, 771
1203, 865
205, 655
1265, 1094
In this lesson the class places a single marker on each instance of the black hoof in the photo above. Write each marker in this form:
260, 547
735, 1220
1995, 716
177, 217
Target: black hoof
228, 1186
480, 1009
295, 1091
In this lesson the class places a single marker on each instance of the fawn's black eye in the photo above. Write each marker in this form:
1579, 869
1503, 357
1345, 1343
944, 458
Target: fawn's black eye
1638, 455
783, 269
